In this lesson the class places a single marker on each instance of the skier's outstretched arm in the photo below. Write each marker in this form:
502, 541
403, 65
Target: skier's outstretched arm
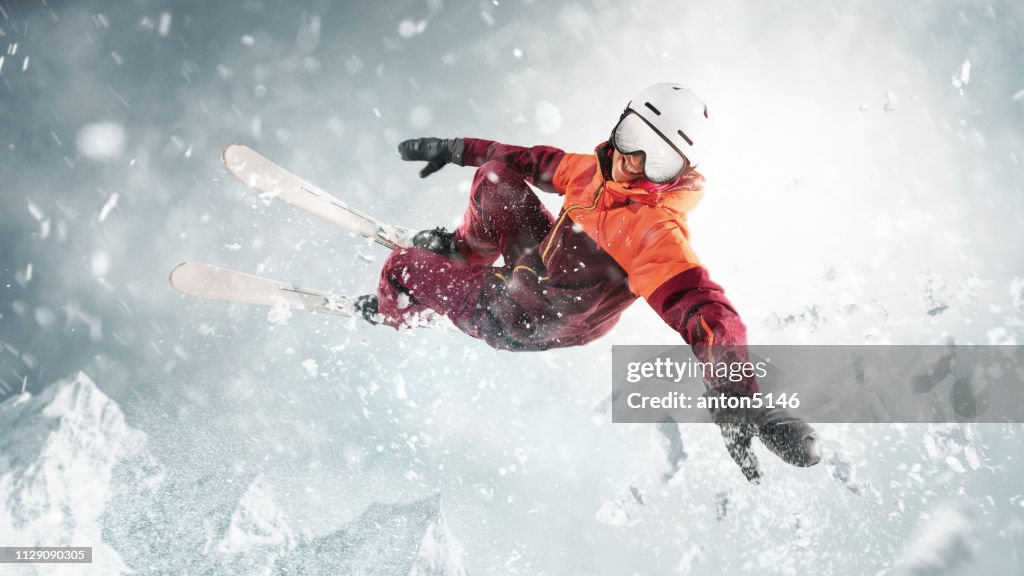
696, 307
537, 164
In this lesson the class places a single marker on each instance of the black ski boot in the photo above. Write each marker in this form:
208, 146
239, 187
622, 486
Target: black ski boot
439, 241
366, 306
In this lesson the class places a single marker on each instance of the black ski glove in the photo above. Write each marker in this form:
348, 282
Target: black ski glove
785, 435
435, 151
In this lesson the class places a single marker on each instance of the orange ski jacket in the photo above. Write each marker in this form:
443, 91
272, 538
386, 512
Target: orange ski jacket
644, 232
635, 242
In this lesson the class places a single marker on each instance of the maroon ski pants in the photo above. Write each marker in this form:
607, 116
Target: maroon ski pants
504, 218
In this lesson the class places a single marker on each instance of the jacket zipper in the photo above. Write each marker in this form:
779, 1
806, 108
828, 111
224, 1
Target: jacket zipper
710, 336
558, 224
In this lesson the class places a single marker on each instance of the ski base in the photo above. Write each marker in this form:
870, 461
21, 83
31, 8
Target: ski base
216, 283
262, 175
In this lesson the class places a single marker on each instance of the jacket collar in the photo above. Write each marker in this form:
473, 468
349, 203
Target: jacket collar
680, 195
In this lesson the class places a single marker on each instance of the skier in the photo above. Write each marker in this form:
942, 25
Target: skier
621, 234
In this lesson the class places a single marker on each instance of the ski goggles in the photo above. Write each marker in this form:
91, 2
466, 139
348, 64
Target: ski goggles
663, 162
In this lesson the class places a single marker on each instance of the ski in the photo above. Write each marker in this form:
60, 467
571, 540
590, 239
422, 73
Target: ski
216, 283
261, 174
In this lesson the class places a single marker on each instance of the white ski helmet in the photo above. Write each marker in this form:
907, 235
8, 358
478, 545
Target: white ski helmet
670, 124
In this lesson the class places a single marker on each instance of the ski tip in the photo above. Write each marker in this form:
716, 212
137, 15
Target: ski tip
229, 149
170, 277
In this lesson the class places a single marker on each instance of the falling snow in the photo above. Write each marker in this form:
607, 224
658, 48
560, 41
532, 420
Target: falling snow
101, 142
891, 101
108, 206
222, 438
963, 76
548, 117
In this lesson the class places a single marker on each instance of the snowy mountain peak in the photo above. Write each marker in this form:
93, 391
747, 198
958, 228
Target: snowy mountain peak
76, 397
71, 422
257, 522
411, 539
58, 451
73, 473
439, 554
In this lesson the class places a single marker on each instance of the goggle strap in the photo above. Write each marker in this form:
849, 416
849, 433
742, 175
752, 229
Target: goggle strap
686, 161
667, 141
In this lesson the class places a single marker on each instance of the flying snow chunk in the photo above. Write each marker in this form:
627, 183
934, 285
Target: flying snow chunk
966, 294
99, 264
1000, 336
403, 301
45, 317
400, 390
943, 543
1017, 293
842, 469
354, 64
311, 367
308, 37
408, 28
963, 76
667, 453
689, 560
612, 513
420, 117
279, 313
933, 288
108, 206
101, 141
944, 442
248, 40
547, 117
23, 277
935, 363
165, 24
36, 211
622, 510
891, 101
